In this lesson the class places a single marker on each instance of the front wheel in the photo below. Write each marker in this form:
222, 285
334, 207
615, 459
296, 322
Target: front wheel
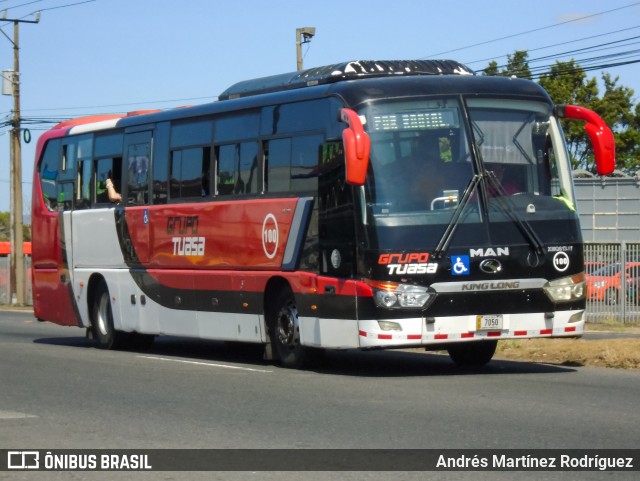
472, 354
285, 333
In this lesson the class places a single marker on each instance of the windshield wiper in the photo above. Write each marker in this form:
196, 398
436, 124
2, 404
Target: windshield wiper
504, 201
445, 240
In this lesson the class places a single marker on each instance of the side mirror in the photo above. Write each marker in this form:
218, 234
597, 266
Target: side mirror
604, 146
357, 147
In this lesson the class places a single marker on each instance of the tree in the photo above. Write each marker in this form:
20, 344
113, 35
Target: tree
5, 228
491, 69
517, 64
617, 110
567, 83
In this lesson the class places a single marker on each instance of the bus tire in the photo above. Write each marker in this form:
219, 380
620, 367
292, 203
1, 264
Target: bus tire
104, 333
285, 332
472, 354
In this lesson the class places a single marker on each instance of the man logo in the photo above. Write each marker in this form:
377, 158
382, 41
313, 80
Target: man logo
491, 266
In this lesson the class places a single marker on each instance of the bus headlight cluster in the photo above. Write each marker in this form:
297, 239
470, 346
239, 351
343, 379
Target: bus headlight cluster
395, 296
566, 289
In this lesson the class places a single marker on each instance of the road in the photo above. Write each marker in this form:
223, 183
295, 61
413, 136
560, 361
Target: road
57, 392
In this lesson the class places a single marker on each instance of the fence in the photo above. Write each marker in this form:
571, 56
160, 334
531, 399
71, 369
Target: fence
613, 282
5, 283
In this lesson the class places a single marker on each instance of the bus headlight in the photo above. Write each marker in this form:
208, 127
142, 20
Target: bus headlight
566, 289
391, 295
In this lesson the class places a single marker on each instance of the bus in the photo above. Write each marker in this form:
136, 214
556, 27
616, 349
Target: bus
361, 205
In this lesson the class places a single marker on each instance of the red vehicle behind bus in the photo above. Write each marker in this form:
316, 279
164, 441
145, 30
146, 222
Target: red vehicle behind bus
360, 205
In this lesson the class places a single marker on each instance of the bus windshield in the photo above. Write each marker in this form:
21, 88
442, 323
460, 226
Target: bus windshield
433, 164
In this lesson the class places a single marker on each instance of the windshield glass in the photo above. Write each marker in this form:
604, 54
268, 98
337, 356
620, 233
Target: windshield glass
429, 172
521, 148
420, 159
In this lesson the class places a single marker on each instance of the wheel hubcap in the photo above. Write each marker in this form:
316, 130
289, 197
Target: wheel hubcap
287, 327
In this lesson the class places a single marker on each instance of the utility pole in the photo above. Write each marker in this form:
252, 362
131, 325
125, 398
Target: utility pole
303, 35
17, 252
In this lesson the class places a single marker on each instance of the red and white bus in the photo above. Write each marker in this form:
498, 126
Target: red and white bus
360, 205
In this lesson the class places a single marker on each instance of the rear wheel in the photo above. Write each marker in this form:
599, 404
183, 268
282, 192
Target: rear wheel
472, 354
102, 320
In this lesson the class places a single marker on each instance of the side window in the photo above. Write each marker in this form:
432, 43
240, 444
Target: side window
108, 165
49, 173
85, 179
85, 172
277, 155
67, 174
227, 156
237, 127
248, 169
305, 159
238, 169
109, 168
292, 164
138, 173
190, 172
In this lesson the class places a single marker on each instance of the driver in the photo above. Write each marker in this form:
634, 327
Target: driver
420, 179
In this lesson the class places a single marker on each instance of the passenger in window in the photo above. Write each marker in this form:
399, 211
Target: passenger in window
114, 196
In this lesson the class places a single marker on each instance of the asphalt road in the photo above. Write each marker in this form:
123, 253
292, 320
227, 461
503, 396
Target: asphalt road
57, 392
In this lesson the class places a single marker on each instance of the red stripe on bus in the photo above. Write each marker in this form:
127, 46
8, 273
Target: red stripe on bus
494, 334
546, 331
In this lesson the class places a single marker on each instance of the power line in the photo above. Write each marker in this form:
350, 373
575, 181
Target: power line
151, 102
67, 5
586, 50
556, 44
46, 9
531, 31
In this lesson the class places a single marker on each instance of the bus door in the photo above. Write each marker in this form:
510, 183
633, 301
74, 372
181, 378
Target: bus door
134, 227
58, 293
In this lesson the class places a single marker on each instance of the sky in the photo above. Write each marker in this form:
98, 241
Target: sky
105, 56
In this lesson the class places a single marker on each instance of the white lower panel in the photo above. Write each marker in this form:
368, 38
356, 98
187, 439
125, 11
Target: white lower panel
419, 332
329, 333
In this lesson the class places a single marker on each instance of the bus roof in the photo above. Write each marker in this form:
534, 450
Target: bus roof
344, 71
384, 79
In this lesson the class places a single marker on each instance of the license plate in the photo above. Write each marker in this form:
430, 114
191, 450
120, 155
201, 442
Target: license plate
489, 322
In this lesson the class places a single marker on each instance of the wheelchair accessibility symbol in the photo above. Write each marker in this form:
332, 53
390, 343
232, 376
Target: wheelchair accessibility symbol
460, 265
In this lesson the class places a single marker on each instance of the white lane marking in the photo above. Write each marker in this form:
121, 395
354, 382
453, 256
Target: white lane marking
210, 364
15, 415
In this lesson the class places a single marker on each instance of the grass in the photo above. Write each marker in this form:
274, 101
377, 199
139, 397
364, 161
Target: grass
621, 353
